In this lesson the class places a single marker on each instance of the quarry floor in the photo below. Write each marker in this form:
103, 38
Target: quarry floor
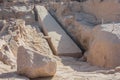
67, 69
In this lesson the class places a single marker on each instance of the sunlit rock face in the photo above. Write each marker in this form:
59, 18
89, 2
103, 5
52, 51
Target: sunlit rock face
34, 64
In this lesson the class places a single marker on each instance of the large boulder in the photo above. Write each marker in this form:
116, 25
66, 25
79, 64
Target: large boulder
104, 49
102, 44
34, 64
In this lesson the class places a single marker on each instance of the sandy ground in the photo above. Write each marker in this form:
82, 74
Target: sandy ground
74, 69
68, 69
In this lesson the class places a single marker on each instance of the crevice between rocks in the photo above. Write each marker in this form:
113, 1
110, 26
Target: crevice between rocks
62, 26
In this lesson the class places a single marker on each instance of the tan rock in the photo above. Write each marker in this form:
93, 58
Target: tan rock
104, 49
21, 34
34, 64
101, 43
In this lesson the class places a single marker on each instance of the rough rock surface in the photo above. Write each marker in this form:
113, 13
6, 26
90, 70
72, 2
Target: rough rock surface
39, 63
104, 49
35, 39
101, 43
22, 34
15, 33
34, 64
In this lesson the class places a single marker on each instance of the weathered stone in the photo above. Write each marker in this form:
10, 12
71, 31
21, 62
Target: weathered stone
21, 34
104, 48
101, 44
34, 64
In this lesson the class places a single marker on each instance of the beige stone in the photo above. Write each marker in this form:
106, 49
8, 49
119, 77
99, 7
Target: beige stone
104, 49
34, 64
